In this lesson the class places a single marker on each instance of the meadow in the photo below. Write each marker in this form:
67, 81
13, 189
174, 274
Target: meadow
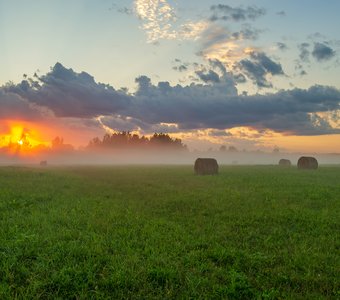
160, 232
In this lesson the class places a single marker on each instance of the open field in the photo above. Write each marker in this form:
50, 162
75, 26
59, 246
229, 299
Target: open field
161, 232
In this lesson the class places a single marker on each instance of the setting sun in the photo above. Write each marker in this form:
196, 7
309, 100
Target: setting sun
21, 139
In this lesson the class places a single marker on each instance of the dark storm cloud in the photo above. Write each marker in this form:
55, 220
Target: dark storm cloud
216, 105
304, 122
13, 106
238, 14
71, 94
258, 66
201, 106
322, 52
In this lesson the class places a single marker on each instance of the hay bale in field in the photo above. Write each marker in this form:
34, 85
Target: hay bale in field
306, 162
206, 166
285, 162
43, 163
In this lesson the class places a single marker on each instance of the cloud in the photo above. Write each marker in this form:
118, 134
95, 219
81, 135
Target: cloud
322, 52
258, 66
159, 21
191, 30
209, 77
216, 105
123, 123
219, 133
156, 17
219, 43
282, 46
180, 68
13, 106
304, 52
124, 10
121, 9
300, 69
246, 33
216, 72
216, 35
210, 106
71, 94
237, 14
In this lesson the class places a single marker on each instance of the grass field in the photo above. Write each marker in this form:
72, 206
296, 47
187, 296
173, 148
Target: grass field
161, 232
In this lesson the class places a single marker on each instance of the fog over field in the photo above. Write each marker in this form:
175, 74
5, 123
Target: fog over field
143, 157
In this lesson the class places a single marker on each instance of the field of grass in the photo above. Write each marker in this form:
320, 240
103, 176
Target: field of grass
160, 232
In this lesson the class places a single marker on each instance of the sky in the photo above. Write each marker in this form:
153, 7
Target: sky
258, 74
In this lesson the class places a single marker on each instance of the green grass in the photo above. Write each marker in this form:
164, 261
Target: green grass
161, 232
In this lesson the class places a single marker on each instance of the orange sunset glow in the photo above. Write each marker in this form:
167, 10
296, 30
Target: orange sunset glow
20, 138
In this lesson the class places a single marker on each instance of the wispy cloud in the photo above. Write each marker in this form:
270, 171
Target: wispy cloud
226, 13
159, 21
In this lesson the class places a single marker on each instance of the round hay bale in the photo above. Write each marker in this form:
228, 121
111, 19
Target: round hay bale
285, 162
306, 162
206, 166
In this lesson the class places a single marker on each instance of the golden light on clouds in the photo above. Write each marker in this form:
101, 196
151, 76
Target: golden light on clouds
218, 43
309, 144
253, 139
228, 52
332, 118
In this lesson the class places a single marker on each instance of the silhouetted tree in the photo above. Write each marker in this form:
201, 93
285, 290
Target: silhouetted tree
58, 145
127, 140
57, 142
276, 150
232, 149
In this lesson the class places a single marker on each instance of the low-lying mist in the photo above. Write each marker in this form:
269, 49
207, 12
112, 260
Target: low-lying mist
156, 156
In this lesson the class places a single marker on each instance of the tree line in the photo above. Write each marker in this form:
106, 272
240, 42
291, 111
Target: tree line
126, 139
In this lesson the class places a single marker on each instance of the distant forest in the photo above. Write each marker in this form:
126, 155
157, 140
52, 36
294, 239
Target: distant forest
125, 139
